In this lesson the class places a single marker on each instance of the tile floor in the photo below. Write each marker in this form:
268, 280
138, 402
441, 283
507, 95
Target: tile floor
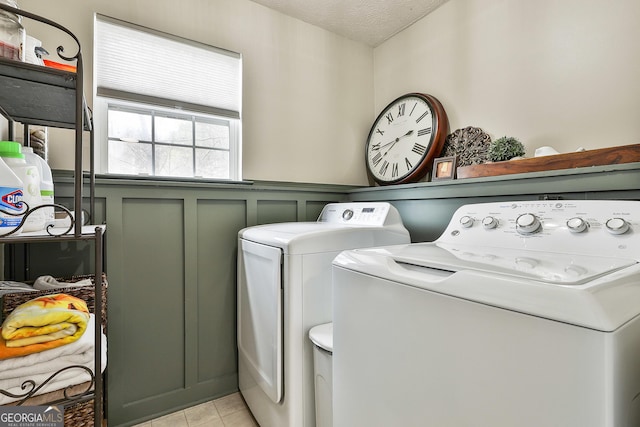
228, 411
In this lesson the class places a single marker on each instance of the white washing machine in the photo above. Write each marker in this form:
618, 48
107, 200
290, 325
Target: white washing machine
284, 289
522, 314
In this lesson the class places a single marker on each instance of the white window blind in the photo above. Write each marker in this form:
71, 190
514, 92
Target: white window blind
139, 64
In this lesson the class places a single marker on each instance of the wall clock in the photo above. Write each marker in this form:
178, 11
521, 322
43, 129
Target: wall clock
405, 138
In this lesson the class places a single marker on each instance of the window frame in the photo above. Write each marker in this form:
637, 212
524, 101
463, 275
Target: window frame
101, 130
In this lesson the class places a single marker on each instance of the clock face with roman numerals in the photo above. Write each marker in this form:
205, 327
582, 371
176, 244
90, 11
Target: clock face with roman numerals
405, 138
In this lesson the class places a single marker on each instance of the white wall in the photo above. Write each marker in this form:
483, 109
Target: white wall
559, 73
307, 93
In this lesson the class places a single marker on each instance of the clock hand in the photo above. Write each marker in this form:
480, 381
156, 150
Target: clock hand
398, 139
392, 143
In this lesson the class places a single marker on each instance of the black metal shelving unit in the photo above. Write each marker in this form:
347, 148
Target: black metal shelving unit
38, 95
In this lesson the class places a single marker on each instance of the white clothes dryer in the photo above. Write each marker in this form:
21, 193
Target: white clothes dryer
521, 314
284, 289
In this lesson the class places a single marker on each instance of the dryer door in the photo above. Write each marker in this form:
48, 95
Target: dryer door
260, 315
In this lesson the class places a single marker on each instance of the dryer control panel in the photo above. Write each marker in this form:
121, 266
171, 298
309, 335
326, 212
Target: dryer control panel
592, 227
360, 213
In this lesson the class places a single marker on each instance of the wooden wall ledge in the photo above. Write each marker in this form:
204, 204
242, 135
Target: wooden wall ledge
599, 157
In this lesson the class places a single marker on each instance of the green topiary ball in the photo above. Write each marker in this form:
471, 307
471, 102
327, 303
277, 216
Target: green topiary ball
505, 148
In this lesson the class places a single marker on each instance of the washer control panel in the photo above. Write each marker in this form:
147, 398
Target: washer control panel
607, 228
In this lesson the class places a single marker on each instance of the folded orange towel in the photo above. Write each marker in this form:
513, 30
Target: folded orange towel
42, 323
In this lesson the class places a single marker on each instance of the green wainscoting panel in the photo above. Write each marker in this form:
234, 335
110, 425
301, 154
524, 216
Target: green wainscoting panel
152, 307
270, 211
218, 224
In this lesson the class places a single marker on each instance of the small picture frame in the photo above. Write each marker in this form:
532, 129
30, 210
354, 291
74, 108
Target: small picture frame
444, 168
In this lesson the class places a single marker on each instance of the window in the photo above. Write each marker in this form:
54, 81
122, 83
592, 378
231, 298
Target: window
159, 117
147, 141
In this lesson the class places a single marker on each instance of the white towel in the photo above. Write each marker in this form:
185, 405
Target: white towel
44, 283
39, 366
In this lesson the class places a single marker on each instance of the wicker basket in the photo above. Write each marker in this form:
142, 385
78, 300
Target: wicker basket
76, 414
79, 414
10, 301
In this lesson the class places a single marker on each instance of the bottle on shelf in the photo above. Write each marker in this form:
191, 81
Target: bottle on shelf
12, 33
10, 199
46, 183
11, 153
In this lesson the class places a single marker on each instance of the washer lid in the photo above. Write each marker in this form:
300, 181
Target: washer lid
603, 297
556, 268
322, 336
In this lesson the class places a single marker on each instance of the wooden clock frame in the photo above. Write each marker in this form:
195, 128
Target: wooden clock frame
440, 126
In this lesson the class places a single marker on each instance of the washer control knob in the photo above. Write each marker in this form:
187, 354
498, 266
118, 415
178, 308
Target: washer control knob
489, 222
347, 214
617, 226
466, 221
528, 224
577, 225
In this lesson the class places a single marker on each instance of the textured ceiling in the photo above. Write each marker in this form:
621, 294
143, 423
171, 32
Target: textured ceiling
369, 21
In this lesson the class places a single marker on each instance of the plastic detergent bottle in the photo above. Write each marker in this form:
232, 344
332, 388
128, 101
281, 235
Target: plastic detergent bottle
46, 183
10, 198
11, 153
